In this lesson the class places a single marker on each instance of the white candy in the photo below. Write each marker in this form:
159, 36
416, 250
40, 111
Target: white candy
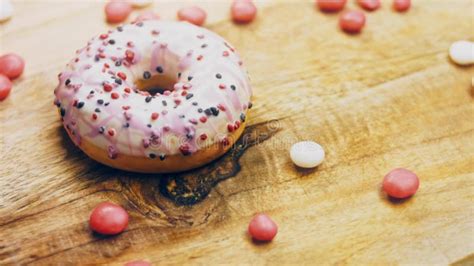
6, 10
462, 52
141, 3
307, 154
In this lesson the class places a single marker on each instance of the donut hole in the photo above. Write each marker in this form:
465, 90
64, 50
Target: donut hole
157, 84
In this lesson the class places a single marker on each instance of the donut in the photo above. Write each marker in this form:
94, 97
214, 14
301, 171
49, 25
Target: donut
154, 97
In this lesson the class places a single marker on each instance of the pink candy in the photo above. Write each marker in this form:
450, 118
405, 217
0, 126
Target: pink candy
117, 11
5, 87
400, 183
331, 5
369, 5
11, 65
401, 5
194, 15
352, 21
108, 219
243, 11
262, 228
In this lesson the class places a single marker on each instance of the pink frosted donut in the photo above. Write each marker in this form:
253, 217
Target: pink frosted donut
154, 96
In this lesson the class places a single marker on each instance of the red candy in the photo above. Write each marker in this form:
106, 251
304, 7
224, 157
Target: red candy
5, 87
147, 15
401, 5
138, 263
352, 21
400, 183
11, 65
108, 219
369, 5
243, 11
262, 228
117, 11
331, 5
194, 15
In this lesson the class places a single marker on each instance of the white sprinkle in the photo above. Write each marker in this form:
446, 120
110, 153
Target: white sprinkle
6, 10
307, 154
462, 52
141, 3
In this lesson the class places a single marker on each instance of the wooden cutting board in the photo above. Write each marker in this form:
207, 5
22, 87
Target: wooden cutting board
386, 98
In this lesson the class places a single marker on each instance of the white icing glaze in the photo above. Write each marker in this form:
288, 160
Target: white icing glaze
212, 90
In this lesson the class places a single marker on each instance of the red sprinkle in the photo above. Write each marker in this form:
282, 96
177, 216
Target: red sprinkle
185, 149
221, 86
243, 11
103, 36
401, 5
117, 11
154, 116
115, 95
203, 119
199, 58
194, 15
108, 219
352, 21
262, 228
225, 141
94, 116
5, 87
147, 15
225, 53
400, 183
107, 87
129, 55
122, 75
11, 65
331, 5
111, 132
230, 127
369, 5
203, 136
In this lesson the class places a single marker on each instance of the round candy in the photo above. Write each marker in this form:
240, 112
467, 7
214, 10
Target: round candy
369, 5
462, 52
352, 21
147, 15
11, 65
243, 11
5, 87
307, 154
194, 15
262, 228
108, 219
6, 10
400, 183
401, 5
117, 11
331, 5
138, 263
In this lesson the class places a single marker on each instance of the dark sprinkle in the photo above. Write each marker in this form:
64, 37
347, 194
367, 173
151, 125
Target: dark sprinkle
148, 99
195, 103
63, 112
219, 76
126, 125
164, 103
189, 96
250, 105
68, 81
80, 105
97, 58
118, 81
148, 125
92, 92
112, 41
179, 74
152, 156
146, 75
159, 69
162, 157
139, 24
190, 78
100, 101
189, 136
215, 111
120, 28
233, 87
208, 112
242, 117
58, 104
101, 130
118, 63
97, 110
200, 110
106, 104
204, 46
181, 116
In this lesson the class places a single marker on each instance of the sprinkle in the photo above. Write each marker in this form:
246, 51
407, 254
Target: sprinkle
225, 53
97, 110
126, 125
181, 116
200, 110
152, 156
190, 78
68, 81
146, 75
230, 127
219, 76
162, 157
100, 101
225, 141
193, 121
120, 28
204, 46
189, 96
148, 125
177, 101
203, 136
233, 87
107, 87
80, 105
126, 107
115, 95
129, 55
214, 111
242, 117
250, 105
208, 112
159, 69
111, 41
221, 107
146, 143
118, 81
101, 130
221, 86
127, 90
118, 63
203, 119
199, 58
94, 116
122, 75
154, 116
103, 36
195, 103
164, 103
179, 74
63, 111
107, 103
130, 44
148, 99
185, 149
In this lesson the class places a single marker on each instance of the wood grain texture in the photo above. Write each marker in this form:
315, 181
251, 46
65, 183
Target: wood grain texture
386, 98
